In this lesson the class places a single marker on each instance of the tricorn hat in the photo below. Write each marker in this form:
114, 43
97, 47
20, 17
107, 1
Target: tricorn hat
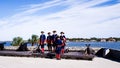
61, 32
49, 33
54, 31
42, 31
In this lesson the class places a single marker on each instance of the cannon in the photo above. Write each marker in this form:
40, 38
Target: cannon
23, 47
2, 45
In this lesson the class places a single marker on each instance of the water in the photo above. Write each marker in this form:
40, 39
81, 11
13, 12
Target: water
7, 43
111, 45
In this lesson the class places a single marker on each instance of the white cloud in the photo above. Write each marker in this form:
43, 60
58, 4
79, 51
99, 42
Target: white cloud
79, 20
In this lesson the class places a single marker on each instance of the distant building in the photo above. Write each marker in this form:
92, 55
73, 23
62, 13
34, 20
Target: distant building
93, 40
103, 40
81, 40
111, 40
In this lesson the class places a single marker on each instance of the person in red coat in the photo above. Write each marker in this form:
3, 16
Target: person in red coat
42, 41
63, 38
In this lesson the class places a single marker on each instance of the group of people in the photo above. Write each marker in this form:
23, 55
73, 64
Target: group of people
55, 42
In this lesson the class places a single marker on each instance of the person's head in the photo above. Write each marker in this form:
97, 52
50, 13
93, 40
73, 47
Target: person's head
42, 32
58, 37
49, 33
62, 33
54, 31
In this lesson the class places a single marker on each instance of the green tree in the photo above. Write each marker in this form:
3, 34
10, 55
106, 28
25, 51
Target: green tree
33, 40
17, 41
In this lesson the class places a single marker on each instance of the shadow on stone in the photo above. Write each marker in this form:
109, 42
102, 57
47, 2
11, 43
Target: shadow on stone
50, 55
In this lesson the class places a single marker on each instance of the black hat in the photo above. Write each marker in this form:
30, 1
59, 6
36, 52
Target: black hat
42, 31
61, 32
54, 31
58, 36
49, 33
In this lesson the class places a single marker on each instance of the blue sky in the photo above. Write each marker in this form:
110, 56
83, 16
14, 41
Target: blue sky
10, 7
77, 18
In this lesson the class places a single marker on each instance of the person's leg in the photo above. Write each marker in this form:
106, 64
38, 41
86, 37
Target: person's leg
54, 47
62, 49
50, 47
42, 48
58, 52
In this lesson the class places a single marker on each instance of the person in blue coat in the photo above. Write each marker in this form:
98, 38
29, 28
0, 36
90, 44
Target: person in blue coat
58, 48
42, 41
54, 37
49, 42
